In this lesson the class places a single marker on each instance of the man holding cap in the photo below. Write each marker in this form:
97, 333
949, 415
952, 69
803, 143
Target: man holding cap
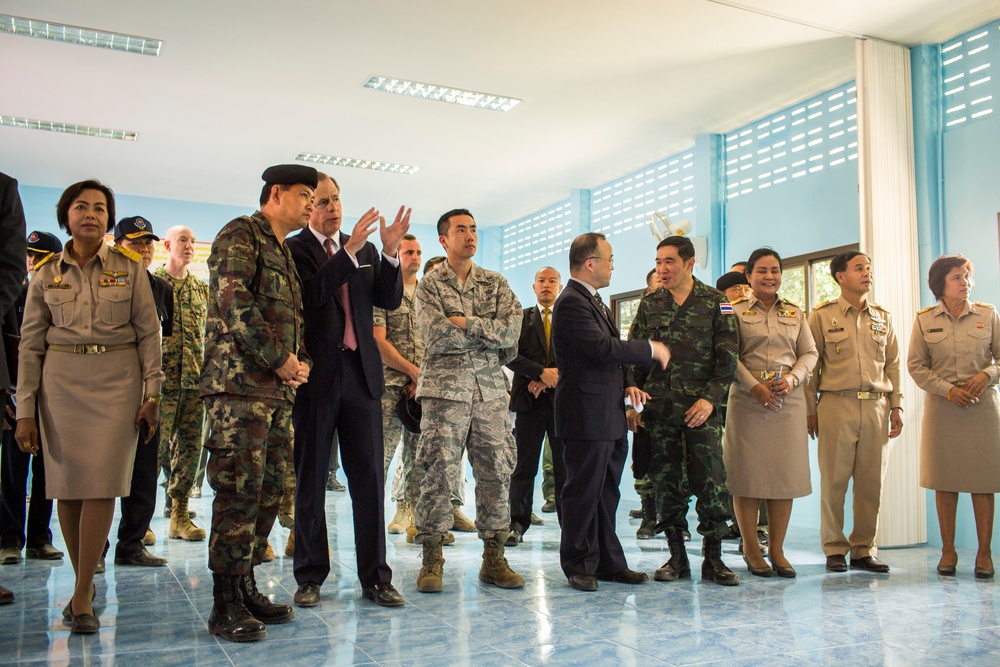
14, 463
136, 234
254, 361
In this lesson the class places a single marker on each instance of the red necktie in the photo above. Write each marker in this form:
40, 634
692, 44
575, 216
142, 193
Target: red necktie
350, 337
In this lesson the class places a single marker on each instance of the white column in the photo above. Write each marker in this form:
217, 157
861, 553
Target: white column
887, 196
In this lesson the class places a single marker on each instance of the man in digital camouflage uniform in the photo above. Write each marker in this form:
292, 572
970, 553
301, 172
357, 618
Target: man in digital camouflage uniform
182, 412
254, 361
683, 416
469, 320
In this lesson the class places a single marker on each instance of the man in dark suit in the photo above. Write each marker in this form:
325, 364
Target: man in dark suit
590, 416
343, 277
535, 376
12, 254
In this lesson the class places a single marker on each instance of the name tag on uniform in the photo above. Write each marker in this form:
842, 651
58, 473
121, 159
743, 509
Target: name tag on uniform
935, 330
835, 330
57, 286
364, 266
787, 313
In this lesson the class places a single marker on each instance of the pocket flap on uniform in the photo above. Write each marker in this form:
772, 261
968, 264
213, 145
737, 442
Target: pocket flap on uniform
57, 297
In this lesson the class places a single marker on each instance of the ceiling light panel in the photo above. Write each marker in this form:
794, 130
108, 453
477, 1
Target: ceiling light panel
374, 165
101, 39
68, 128
430, 91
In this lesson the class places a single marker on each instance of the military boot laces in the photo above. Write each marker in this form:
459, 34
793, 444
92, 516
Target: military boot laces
431, 574
181, 526
260, 606
648, 527
402, 520
496, 570
712, 568
230, 618
678, 567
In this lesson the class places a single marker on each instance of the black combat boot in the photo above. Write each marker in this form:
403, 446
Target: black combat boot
259, 606
712, 568
648, 527
230, 618
678, 567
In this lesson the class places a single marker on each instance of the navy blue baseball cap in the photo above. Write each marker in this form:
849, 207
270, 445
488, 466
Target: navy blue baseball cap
134, 228
44, 243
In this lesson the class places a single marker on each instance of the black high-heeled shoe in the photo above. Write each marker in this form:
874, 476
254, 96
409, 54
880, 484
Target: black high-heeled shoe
758, 571
947, 570
784, 572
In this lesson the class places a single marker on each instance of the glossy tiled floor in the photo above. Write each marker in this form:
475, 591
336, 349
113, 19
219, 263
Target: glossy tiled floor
157, 616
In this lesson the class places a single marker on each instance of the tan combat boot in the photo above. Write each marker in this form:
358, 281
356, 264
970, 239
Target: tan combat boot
495, 569
290, 545
402, 520
180, 523
430, 578
462, 523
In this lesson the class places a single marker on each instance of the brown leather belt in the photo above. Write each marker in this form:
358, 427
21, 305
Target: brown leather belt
90, 348
860, 395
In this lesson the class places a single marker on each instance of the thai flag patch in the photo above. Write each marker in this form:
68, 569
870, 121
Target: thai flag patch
726, 308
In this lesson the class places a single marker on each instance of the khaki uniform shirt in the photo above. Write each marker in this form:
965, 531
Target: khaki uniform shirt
772, 340
465, 365
401, 332
945, 352
184, 350
107, 302
858, 351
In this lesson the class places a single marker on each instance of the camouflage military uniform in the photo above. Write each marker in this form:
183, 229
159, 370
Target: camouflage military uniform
254, 323
703, 346
463, 393
182, 412
401, 332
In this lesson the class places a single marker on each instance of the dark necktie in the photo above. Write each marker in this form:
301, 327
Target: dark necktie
350, 336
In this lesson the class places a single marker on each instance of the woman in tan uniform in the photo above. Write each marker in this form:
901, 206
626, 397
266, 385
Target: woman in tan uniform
954, 350
765, 446
90, 352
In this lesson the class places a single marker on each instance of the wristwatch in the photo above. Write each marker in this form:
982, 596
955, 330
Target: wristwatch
155, 398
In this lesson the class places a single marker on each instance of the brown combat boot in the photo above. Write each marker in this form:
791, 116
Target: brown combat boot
430, 578
290, 545
180, 523
678, 567
495, 569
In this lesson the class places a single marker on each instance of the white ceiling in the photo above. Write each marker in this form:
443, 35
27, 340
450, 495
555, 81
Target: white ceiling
607, 88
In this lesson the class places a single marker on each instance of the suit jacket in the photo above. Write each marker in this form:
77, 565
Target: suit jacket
593, 367
530, 362
163, 297
12, 253
374, 282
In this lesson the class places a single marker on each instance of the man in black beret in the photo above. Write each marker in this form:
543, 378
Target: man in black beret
734, 285
254, 362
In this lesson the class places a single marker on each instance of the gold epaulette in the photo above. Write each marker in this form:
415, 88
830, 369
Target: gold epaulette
39, 264
824, 304
882, 308
986, 305
740, 300
791, 303
924, 310
125, 252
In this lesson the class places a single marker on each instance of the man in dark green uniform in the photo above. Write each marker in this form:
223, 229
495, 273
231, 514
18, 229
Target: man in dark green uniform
254, 361
683, 417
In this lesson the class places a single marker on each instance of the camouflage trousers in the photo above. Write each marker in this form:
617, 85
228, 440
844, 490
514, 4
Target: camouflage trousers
688, 461
182, 421
249, 451
644, 487
484, 430
548, 473
393, 432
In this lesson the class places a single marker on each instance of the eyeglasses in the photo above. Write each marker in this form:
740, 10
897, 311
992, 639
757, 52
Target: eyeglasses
609, 260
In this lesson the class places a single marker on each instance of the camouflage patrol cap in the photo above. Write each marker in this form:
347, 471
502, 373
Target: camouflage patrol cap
291, 174
730, 279
134, 228
44, 243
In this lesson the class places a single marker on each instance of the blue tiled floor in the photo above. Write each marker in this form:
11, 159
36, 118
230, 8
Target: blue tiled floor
154, 617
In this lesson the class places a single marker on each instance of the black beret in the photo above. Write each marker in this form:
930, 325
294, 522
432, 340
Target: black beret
290, 174
730, 279
43, 242
134, 228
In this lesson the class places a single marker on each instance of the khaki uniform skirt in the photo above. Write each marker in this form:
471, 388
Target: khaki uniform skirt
766, 453
87, 406
960, 447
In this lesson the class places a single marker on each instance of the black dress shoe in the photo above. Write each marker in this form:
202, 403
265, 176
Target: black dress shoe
836, 563
984, 572
784, 572
307, 595
583, 582
141, 558
625, 577
44, 552
869, 564
947, 570
383, 594
758, 571
84, 624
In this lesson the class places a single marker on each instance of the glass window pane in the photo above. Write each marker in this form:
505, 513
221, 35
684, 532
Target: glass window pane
793, 284
824, 287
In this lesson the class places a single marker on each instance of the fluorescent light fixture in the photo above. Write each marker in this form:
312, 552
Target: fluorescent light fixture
430, 91
102, 39
68, 128
357, 164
